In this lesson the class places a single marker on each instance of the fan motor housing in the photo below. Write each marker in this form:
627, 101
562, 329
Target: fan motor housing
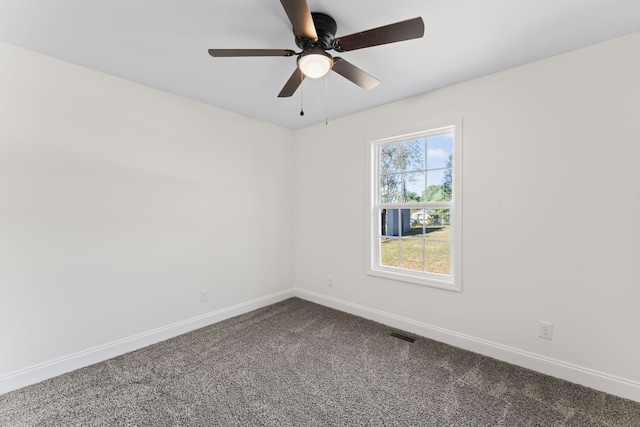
326, 28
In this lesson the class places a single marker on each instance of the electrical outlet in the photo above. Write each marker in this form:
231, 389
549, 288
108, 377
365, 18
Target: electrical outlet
204, 295
330, 284
545, 330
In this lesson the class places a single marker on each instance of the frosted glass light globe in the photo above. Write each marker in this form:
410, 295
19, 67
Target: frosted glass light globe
315, 65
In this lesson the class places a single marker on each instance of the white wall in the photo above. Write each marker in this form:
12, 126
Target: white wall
118, 204
551, 216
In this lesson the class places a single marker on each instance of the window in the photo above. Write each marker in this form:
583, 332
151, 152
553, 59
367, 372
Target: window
415, 207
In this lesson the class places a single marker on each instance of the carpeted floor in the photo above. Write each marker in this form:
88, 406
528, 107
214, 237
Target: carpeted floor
296, 363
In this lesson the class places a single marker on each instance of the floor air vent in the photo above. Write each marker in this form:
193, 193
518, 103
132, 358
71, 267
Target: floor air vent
402, 337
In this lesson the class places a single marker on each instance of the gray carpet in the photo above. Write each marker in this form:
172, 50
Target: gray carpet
296, 363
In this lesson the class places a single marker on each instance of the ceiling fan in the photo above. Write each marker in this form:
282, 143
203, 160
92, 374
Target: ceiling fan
315, 35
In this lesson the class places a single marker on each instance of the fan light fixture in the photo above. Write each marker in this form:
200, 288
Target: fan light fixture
315, 64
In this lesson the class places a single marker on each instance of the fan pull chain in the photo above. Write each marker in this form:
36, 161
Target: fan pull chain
326, 99
301, 96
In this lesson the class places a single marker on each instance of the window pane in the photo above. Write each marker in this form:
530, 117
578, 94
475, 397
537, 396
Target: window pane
395, 222
391, 158
438, 233
439, 151
437, 220
414, 155
438, 256
412, 251
418, 221
390, 252
439, 185
414, 185
391, 222
391, 188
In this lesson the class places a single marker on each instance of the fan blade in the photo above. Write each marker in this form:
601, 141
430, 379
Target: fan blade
300, 17
250, 52
292, 84
356, 75
400, 31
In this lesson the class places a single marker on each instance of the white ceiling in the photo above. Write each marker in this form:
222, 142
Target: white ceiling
163, 44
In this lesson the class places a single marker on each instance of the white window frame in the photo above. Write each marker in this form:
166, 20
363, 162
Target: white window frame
453, 281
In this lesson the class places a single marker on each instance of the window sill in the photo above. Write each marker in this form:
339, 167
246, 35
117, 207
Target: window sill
431, 282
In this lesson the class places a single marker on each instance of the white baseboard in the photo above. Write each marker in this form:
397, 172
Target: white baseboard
53, 368
590, 378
